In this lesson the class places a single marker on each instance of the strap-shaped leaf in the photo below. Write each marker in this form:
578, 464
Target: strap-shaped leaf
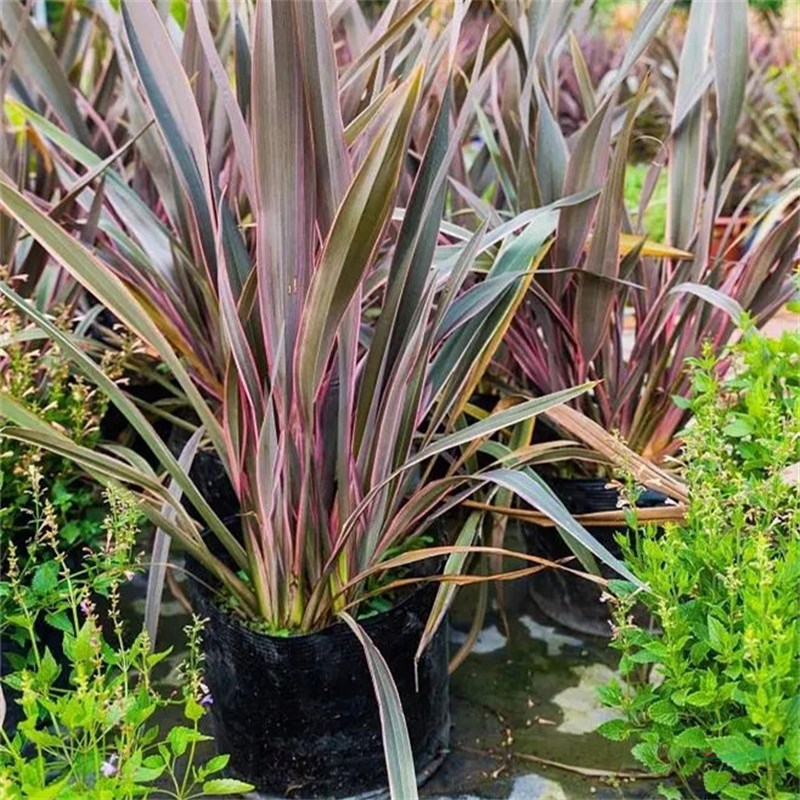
446, 592
730, 71
688, 145
540, 496
239, 131
159, 563
351, 244
595, 298
285, 184
713, 296
396, 744
170, 96
485, 427
408, 271
587, 168
37, 61
333, 168
137, 420
141, 222
107, 287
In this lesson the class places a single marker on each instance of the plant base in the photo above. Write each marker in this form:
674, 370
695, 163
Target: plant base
298, 714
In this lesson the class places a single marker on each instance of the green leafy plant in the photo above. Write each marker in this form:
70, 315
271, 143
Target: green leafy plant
765, 383
711, 693
93, 737
33, 372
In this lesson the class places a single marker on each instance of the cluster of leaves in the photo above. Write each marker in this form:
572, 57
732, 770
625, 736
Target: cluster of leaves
327, 351
765, 395
43, 381
712, 695
607, 304
92, 737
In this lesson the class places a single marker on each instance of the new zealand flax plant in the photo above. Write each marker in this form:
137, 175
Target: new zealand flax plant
33, 70
606, 305
328, 350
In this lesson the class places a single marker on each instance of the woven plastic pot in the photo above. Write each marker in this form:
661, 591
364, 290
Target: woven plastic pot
567, 599
298, 714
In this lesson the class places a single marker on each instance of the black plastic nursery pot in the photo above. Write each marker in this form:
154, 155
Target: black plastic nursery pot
565, 598
298, 714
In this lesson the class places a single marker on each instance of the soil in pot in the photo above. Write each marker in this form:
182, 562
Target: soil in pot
567, 599
298, 714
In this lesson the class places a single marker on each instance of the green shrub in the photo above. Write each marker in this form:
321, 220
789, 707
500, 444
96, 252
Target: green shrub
713, 694
763, 407
93, 737
33, 373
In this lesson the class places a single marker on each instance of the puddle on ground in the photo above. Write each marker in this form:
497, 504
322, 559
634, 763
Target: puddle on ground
524, 697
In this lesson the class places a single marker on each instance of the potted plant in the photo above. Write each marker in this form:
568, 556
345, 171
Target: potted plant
346, 347
606, 304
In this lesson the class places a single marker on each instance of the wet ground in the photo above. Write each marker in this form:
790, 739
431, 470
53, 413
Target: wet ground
526, 699
524, 709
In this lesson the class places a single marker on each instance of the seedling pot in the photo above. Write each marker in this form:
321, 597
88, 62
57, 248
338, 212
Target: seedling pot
567, 599
298, 714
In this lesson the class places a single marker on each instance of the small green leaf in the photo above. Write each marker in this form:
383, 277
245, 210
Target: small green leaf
750, 791
717, 634
180, 737
43, 738
60, 621
83, 649
792, 745
614, 729
48, 669
621, 588
664, 712
692, 738
52, 792
643, 657
610, 694
214, 765
220, 786
70, 532
45, 579
701, 698
192, 710
146, 774
698, 652
737, 752
647, 753
669, 792
738, 429
681, 402
716, 780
